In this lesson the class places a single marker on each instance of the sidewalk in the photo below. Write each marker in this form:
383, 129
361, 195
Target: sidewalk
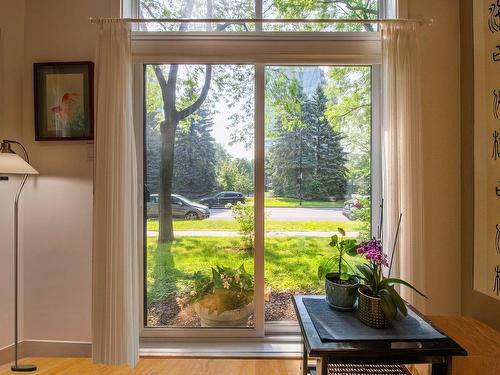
212, 233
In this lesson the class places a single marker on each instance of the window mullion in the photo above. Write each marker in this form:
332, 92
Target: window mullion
258, 14
259, 197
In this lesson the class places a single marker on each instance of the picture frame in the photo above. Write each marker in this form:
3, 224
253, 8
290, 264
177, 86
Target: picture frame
64, 101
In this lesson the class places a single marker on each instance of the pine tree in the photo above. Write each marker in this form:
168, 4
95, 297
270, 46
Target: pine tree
194, 160
310, 152
328, 177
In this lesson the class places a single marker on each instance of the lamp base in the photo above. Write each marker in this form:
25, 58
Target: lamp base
23, 368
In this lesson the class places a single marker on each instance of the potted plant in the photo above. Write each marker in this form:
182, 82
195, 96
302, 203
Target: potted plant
379, 302
340, 286
225, 299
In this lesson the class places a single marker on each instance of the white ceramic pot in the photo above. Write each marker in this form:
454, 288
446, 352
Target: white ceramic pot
229, 318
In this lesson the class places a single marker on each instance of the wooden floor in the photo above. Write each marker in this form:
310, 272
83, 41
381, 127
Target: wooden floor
174, 366
481, 342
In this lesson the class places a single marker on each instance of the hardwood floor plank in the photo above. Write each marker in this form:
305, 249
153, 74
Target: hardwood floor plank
170, 366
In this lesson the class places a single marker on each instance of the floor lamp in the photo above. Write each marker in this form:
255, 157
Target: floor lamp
13, 164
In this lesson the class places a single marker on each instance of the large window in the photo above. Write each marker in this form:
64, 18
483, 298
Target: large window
256, 151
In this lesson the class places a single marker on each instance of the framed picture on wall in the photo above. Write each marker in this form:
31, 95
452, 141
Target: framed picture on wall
64, 101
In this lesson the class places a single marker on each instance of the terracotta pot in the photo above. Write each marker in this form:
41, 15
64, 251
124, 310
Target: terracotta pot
341, 296
370, 310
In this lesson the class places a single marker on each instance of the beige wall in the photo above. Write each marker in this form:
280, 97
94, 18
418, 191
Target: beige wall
474, 304
11, 115
58, 209
441, 147
57, 205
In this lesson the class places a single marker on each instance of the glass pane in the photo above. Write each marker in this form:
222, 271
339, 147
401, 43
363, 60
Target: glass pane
199, 136
240, 9
234, 9
317, 168
305, 9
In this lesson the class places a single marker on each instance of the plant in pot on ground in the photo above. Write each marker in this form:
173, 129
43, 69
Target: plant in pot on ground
340, 286
379, 302
225, 298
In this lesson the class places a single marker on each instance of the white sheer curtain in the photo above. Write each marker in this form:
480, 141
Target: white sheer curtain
402, 152
115, 306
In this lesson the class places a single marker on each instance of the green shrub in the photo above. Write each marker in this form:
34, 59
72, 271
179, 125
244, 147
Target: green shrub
244, 215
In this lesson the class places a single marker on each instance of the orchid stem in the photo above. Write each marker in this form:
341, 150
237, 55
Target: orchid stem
394, 246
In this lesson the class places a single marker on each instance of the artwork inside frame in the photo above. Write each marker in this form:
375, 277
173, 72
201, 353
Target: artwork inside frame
487, 147
64, 101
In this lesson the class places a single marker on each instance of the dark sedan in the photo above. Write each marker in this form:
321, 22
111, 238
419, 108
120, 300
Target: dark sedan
223, 198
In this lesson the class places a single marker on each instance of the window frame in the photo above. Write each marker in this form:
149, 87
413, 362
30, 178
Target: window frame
260, 50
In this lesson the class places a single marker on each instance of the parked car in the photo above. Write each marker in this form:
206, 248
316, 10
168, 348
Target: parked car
348, 206
223, 198
182, 208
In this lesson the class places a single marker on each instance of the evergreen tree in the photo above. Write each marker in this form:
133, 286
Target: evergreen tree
308, 160
328, 177
195, 159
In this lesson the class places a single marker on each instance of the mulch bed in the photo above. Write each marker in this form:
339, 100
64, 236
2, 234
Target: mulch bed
173, 311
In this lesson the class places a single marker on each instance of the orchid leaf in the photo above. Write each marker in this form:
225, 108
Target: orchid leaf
400, 303
390, 281
388, 305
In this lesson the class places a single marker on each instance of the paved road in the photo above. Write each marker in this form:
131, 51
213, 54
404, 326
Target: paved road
289, 214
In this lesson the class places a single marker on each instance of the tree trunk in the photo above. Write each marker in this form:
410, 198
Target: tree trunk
166, 178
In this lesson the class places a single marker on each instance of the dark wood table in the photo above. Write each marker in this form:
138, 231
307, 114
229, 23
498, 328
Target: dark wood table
438, 353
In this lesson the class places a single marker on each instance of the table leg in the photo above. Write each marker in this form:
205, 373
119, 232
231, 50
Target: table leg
443, 368
322, 366
304, 360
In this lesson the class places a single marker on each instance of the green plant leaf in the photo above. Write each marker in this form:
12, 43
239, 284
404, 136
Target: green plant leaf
400, 303
388, 305
322, 271
365, 271
344, 276
334, 240
343, 268
389, 281
342, 231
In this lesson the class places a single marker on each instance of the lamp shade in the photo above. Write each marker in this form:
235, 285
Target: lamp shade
14, 164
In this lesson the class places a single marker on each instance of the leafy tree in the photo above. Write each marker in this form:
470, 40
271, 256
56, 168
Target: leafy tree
357, 9
349, 111
234, 174
181, 96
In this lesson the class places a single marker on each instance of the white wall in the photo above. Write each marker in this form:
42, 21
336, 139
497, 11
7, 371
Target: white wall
441, 146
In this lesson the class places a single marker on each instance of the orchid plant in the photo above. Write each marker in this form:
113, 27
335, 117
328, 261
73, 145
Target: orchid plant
226, 289
371, 273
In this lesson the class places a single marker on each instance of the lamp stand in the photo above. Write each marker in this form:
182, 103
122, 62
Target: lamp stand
16, 366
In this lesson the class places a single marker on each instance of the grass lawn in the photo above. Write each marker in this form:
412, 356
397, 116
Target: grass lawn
290, 263
271, 226
294, 202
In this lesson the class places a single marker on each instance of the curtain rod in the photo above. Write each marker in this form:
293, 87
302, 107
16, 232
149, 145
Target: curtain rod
262, 20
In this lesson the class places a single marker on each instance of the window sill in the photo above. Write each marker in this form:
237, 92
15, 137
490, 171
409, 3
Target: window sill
271, 346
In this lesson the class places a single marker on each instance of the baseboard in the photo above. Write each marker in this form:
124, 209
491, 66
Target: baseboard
7, 353
47, 348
